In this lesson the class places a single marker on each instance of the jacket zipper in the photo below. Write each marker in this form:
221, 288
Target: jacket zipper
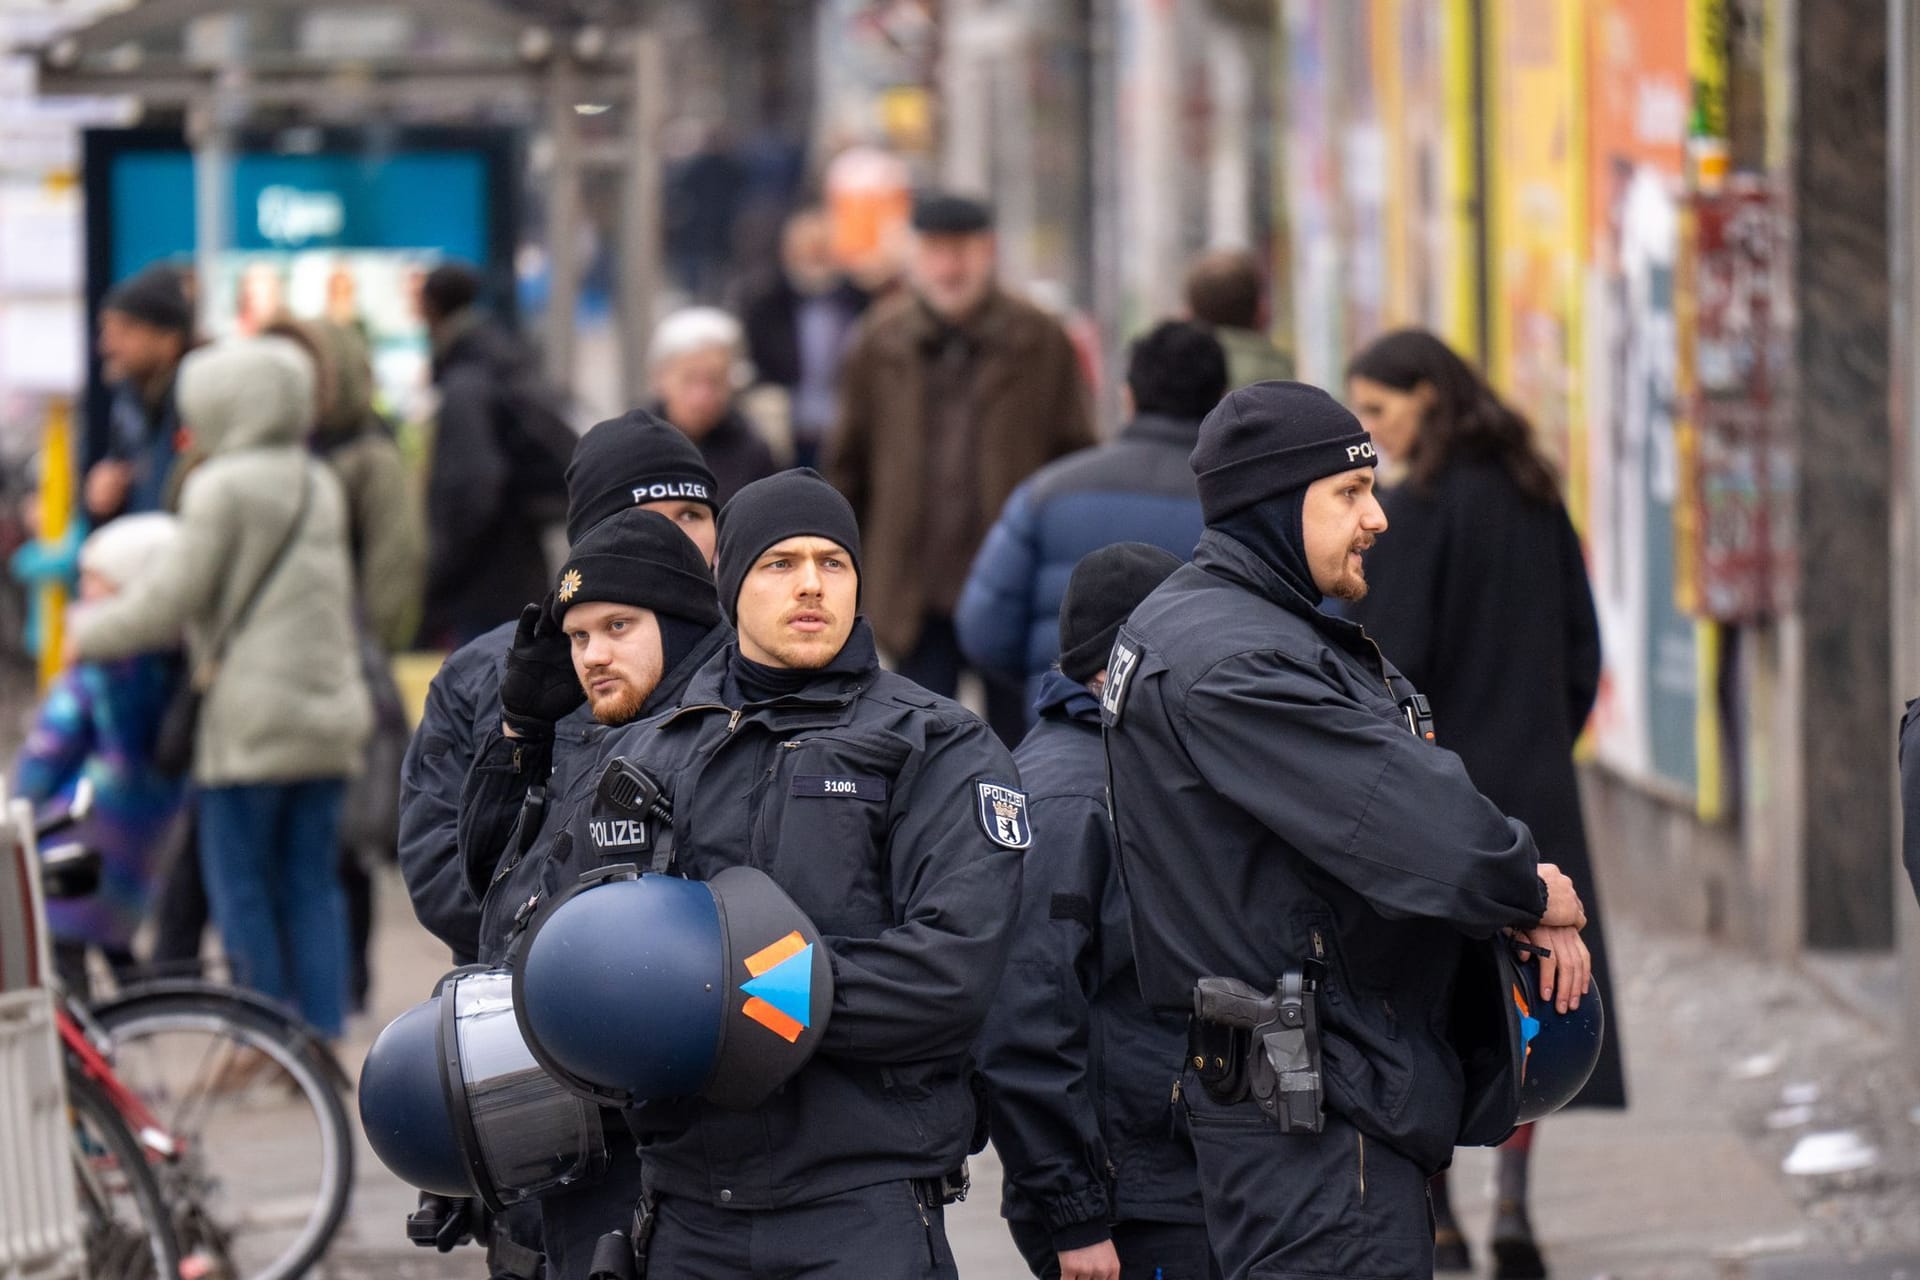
1319, 946
1361, 1138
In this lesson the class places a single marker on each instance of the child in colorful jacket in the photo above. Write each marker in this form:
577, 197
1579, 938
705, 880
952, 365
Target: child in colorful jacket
98, 721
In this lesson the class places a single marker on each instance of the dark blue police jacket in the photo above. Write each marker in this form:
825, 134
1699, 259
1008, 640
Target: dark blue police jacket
1080, 1071
873, 804
1273, 805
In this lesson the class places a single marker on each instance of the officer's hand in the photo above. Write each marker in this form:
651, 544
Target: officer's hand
539, 685
1095, 1262
1566, 974
1563, 903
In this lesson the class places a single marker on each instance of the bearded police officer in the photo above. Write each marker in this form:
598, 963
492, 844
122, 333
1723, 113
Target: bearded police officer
894, 819
636, 460
1285, 823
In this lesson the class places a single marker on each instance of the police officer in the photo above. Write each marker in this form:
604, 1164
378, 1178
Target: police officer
1281, 825
894, 819
635, 615
634, 460
1099, 1184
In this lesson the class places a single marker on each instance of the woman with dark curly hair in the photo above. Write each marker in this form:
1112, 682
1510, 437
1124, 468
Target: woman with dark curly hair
1480, 595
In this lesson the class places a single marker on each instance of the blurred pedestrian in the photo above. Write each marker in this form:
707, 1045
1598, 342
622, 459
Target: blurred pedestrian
950, 397
1225, 289
798, 329
1135, 488
97, 722
262, 584
146, 326
1481, 597
1099, 1181
485, 554
697, 363
635, 460
389, 563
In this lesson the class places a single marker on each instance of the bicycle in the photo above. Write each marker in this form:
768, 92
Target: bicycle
237, 1104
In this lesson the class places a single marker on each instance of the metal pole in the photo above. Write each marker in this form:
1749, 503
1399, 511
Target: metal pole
216, 117
563, 213
641, 222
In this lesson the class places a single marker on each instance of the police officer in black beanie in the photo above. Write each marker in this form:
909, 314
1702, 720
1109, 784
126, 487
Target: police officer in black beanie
895, 820
1077, 1066
1284, 815
636, 460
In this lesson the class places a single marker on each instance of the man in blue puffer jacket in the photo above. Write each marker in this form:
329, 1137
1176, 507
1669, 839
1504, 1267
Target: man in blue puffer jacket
1137, 487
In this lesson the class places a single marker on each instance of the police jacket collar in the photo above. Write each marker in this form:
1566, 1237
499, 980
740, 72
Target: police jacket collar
1227, 557
1162, 429
823, 700
1063, 698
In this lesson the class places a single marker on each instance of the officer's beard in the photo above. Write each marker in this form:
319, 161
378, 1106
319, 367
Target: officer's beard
621, 706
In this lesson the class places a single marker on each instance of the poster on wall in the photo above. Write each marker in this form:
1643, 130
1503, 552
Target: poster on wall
1644, 723
1536, 219
1742, 474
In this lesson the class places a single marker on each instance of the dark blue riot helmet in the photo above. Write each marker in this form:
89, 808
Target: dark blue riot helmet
1522, 1058
637, 987
1557, 1051
453, 1103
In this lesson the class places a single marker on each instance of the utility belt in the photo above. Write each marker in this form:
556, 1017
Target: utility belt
622, 1255
1245, 1043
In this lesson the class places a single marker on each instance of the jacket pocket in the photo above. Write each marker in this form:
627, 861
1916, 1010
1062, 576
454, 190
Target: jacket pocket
822, 819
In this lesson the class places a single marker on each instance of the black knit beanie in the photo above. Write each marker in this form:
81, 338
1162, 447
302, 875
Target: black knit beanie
1272, 437
789, 504
639, 558
155, 296
633, 459
1106, 586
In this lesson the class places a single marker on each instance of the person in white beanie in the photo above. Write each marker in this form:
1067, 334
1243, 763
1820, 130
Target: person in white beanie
97, 722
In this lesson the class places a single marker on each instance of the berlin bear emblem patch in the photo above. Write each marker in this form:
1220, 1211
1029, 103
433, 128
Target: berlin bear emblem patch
1003, 815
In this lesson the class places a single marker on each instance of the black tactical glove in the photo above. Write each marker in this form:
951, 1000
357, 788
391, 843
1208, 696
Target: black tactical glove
444, 1223
539, 685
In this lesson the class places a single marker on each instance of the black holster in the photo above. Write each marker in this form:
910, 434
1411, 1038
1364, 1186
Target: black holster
1245, 1043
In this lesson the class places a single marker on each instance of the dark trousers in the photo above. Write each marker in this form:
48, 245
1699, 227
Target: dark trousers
1148, 1250
1284, 1206
936, 663
893, 1229
572, 1221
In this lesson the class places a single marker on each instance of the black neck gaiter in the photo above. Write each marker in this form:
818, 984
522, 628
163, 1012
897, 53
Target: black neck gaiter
749, 681
1274, 531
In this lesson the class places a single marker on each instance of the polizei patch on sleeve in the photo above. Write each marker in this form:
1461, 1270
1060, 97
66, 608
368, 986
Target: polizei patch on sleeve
1003, 815
1121, 664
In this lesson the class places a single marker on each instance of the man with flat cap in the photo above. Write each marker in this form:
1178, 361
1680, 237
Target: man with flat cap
1100, 1183
1285, 820
636, 460
951, 395
894, 820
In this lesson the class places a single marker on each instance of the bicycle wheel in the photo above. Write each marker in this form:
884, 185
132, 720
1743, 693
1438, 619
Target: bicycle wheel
128, 1227
266, 1169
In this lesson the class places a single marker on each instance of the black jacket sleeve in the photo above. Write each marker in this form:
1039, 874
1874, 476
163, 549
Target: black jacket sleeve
432, 776
921, 989
1034, 1048
491, 802
1391, 817
1583, 628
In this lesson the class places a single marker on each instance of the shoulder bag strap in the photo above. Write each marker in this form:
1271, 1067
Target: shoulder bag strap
204, 674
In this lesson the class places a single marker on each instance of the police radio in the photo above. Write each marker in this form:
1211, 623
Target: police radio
1419, 714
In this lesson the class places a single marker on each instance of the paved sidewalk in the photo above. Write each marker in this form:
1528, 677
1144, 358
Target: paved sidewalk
1685, 1186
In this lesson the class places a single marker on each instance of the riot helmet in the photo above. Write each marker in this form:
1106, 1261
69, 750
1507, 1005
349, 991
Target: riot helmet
636, 987
453, 1103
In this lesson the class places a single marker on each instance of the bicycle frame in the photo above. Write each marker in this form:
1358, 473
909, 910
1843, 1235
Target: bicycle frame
92, 1063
